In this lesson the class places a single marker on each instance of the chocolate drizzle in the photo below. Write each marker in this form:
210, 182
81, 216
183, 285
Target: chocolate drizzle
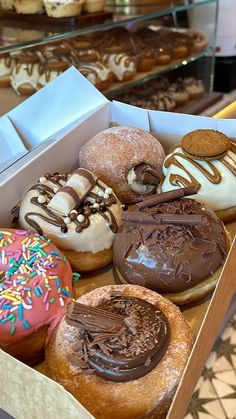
123, 339
91, 203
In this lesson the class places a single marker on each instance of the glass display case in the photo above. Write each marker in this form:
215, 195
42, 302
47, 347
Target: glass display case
129, 21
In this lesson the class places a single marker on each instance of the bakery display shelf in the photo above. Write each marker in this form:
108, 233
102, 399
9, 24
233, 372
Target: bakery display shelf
197, 106
29, 34
80, 21
140, 78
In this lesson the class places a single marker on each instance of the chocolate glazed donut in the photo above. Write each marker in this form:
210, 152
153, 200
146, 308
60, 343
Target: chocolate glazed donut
132, 165
121, 350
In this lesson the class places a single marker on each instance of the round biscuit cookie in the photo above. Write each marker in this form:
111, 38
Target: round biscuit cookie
205, 144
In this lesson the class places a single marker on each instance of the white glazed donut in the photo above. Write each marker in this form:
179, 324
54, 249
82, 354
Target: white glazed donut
78, 212
216, 179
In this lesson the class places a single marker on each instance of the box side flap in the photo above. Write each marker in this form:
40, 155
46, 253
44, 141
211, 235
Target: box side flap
177, 123
11, 146
227, 126
31, 394
129, 115
58, 104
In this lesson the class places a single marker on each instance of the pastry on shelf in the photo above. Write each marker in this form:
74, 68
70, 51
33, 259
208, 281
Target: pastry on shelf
83, 49
163, 101
93, 6
25, 75
194, 87
6, 66
97, 73
7, 4
180, 43
199, 39
29, 7
179, 93
161, 50
121, 65
62, 8
50, 72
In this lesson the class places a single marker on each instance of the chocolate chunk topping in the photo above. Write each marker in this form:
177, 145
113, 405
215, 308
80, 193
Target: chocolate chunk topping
122, 339
170, 247
167, 196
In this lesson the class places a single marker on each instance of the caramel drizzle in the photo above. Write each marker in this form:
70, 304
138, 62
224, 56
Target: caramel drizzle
28, 67
178, 180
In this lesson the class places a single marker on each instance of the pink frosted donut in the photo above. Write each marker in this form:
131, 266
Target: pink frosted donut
35, 286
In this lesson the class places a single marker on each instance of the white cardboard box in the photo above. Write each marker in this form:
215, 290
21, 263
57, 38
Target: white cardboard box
54, 123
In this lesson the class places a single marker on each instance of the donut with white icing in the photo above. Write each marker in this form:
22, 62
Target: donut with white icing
127, 159
214, 179
121, 65
6, 66
78, 212
50, 72
35, 286
25, 75
97, 73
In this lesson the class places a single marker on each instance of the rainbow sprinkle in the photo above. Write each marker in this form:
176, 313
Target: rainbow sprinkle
26, 273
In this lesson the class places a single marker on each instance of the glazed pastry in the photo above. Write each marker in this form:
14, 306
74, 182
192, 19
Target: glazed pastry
7, 4
63, 8
121, 65
79, 212
162, 50
29, 7
50, 72
127, 361
35, 286
194, 87
132, 166
206, 159
97, 73
6, 66
84, 51
163, 101
178, 92
25, 75
173, 246
199, 39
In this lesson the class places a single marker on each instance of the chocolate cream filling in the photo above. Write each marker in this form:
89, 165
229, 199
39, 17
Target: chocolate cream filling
123, 339
143, 178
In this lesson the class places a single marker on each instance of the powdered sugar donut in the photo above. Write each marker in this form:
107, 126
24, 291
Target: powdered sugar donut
127, 159
36, 284
79, 212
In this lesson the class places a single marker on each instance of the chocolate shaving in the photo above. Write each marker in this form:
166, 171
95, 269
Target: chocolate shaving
176, 219
167, 196
93, 319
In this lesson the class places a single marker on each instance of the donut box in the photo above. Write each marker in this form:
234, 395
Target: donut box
71, 112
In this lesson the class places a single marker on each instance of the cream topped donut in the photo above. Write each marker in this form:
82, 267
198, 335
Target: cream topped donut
6, 66
35, 286
206, 159
78, 212
127, 159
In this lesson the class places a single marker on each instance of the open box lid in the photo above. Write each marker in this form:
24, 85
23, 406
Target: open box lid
61, 103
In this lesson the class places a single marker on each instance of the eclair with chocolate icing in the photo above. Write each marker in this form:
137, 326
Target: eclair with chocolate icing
78, 212
172, 245
121, 350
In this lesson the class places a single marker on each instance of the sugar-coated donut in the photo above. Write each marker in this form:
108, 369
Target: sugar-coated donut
127, 360
127, 159
35, 286
173, 246
206, 159
79, 212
